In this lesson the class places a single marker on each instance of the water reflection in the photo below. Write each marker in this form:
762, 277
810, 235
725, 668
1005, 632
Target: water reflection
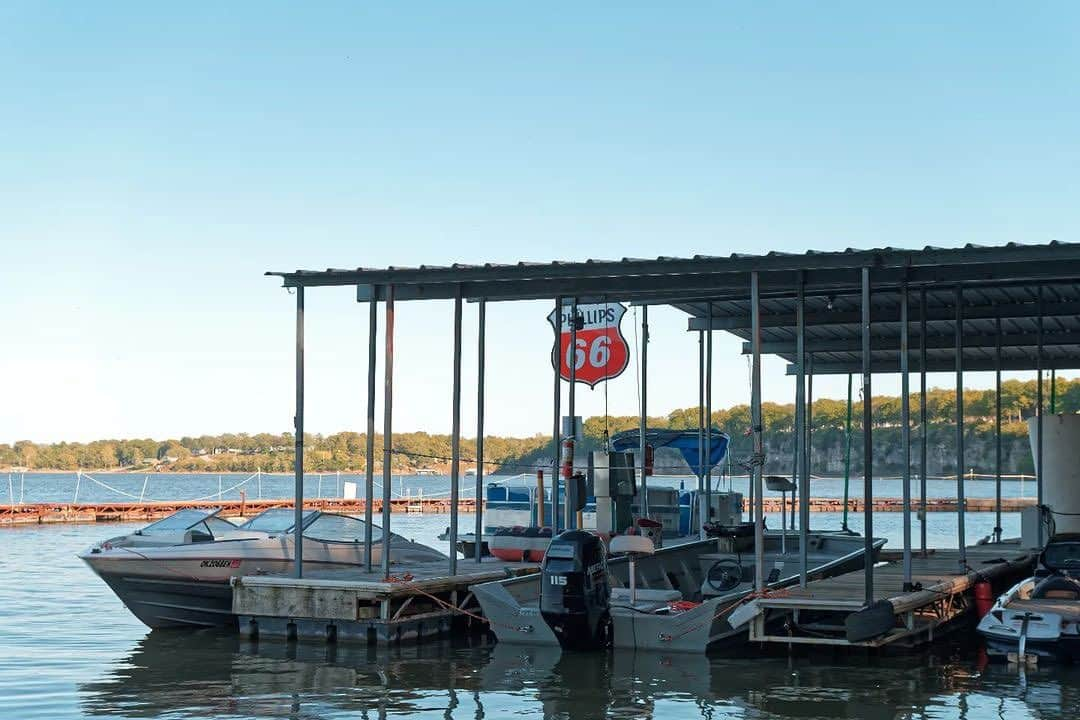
209, 674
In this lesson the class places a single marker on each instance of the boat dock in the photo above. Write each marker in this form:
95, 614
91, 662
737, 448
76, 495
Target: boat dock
366, 607
833, 611
65, 512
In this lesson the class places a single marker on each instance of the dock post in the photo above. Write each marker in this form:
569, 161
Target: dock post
481, 331
298, 457
847, 455
799, 470
868, 446
960, 509
708, 417
701, 435
644, 419
569, 517
758, 460
1039, 420
388, 435
905, 430
369, 474
556, 432
997, 429
455, 436
808, 418
924, 430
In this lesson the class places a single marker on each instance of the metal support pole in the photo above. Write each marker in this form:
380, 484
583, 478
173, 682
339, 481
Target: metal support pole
708, 417
1039, 421
481, 331
924, 429
369, 473
800, 470
569, 517
701, 435
298, 423
960, 503
808, 444
757, 465
847, 456
997, 430
868, 446
388, 435
455, 437
905, 431
1053, 391
643, 420
556, 431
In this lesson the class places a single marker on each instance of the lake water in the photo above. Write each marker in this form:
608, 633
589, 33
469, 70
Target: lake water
128, 487
69, 649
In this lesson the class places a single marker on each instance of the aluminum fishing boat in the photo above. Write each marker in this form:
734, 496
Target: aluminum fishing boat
177, 571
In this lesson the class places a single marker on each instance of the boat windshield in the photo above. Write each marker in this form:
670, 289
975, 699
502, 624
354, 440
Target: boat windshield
276, 520
186, 519
340, 528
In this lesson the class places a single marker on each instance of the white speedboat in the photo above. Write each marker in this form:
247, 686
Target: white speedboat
1040, 616
177, 571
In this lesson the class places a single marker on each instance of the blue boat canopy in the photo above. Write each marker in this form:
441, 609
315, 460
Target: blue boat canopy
685, 441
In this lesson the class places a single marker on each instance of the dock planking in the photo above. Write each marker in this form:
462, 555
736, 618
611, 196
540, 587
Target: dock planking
822, 612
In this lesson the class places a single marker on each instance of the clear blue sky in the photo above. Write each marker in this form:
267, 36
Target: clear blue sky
157, 159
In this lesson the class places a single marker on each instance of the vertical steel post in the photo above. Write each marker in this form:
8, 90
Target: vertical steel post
756, 429
997, 429
455, 436
369, 471
905, 431
708, 417
1039, 421
569, 517
808, 444
961, 506
298, 423
481, 331
556, 431
643, 420
701, 435
924, 429
868, 446
800, 472
388, 435
847, 455
1053, 391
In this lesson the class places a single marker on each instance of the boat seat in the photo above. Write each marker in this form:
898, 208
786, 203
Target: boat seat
637, 544
1057, 587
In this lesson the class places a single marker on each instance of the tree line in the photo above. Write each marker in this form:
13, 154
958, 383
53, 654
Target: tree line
346, 451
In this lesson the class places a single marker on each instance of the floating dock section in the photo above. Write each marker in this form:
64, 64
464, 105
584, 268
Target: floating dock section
366, 607
833, 611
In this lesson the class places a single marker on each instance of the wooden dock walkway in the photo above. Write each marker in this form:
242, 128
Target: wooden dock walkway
66, 512
421, 601
832, 611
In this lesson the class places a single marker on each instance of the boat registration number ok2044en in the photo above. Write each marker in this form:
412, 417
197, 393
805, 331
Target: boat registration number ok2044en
220, 563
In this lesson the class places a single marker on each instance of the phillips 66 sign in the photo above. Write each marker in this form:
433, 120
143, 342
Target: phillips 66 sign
601, 352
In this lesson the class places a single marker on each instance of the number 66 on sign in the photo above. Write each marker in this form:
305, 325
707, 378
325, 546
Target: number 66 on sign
601, 351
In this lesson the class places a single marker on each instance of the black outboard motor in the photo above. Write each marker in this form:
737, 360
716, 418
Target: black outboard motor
574, 590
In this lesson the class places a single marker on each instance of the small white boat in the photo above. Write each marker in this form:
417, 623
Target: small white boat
1040, 616
177, 571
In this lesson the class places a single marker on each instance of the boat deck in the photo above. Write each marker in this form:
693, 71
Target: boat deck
417, 601
832, 611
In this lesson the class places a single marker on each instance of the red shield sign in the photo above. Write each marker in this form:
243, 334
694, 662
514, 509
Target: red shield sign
602, 352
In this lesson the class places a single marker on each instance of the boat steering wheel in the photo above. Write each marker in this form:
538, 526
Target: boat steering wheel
724, 575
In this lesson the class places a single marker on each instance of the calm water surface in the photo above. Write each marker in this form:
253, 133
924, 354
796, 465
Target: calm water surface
68, 649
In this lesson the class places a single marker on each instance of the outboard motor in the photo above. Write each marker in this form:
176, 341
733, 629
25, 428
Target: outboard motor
574, 590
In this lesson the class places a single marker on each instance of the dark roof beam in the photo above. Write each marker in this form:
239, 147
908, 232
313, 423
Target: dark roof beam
933, 342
